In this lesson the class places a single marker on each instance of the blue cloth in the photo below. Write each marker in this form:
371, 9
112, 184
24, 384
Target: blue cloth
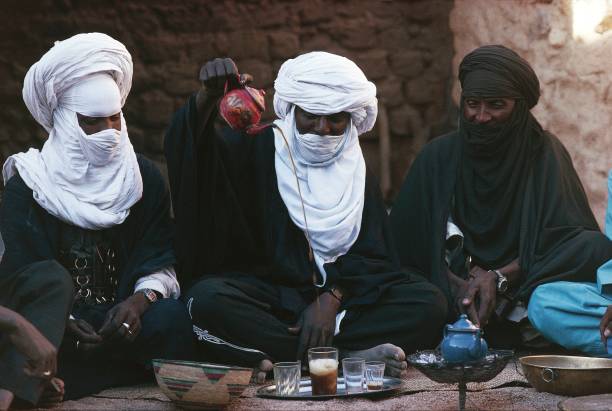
604, 273
568, 314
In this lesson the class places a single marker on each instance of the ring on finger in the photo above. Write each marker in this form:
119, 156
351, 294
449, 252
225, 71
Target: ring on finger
126, 325
77, 344
46, 373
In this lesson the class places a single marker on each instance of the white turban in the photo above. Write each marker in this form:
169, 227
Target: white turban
90, 181
325, 83
330, 169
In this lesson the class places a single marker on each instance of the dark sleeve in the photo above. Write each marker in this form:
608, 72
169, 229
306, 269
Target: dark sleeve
421, 209
370, 265
148, 231
561, 240
25, 230
211, 181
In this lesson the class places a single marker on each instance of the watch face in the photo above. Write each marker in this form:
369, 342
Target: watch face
502, 286
151, 296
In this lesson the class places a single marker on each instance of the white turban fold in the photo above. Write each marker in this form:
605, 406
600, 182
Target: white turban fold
325, 83
330, 169
90, 181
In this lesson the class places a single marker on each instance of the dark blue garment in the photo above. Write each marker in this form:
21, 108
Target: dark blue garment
143, 241
143, 245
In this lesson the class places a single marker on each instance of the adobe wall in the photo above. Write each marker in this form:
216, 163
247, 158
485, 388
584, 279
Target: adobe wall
574, 73
405, 47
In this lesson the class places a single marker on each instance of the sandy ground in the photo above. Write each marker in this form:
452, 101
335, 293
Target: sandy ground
508, 391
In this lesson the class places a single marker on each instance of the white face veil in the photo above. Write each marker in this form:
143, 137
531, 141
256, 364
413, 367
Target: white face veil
330, 169
89, 181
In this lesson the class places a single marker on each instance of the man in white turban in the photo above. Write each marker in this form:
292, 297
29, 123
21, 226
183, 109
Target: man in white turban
89, 208
285, 232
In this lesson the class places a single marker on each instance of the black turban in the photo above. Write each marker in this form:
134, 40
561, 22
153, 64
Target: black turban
495, 159
497, 71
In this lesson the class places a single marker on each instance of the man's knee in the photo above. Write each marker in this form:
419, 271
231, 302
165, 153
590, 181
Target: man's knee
48, 278
543, 308
167, 317
207, 300
425, 307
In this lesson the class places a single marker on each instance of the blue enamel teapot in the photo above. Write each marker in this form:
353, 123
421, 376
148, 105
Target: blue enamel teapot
462, 342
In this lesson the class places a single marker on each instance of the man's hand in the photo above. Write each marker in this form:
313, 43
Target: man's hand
481, 291
122, 322
317, 324
41, 354
215, 73
88, 339
605, 327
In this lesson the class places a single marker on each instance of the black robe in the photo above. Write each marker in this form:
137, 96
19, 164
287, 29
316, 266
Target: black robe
231, 218
143, 242
559, 239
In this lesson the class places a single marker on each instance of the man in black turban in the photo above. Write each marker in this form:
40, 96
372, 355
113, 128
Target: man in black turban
494, 209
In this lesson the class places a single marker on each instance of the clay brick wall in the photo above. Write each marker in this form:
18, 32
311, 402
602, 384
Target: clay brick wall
405, 47
574, 72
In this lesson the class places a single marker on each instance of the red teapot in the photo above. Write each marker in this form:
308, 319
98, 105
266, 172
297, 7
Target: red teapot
242, 106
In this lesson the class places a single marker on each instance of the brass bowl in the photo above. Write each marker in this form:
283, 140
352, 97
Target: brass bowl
568, 375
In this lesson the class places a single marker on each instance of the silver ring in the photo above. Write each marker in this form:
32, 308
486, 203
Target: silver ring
77, 344
126, 325
46, 373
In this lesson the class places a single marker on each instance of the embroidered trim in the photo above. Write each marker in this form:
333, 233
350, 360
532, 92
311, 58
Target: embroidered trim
204, 335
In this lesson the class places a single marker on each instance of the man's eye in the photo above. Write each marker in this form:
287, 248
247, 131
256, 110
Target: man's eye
90, 121
498, 104
337, 118
471, 103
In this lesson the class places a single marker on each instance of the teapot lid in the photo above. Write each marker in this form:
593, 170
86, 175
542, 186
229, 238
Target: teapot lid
463, 324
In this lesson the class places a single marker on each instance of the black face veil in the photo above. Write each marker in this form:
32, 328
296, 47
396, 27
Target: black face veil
495, 160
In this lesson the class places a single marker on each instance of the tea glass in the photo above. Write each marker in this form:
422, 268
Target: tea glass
374, 374
287, 377
353, 371
323, 368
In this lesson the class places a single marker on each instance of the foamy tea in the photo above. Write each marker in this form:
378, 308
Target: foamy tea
324, 376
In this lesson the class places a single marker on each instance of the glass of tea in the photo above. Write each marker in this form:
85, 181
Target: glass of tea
287, 377
323, 367
374, 374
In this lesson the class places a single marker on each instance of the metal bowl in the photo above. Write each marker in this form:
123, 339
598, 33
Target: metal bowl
568, 375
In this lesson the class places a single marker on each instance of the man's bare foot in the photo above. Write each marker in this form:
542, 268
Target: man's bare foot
259, 373
6, 398
392, 355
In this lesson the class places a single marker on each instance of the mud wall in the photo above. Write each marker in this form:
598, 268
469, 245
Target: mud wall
572, 62
405, 47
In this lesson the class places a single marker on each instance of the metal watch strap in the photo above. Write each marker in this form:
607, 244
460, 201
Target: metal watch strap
150, 295
502, 282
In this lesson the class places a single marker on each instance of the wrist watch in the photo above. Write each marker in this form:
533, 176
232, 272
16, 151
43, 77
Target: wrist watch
502, 282
151, 295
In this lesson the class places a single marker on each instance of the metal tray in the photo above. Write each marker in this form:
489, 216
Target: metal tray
390, 385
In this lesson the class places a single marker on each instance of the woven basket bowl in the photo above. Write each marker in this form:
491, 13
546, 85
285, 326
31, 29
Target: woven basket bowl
200, 386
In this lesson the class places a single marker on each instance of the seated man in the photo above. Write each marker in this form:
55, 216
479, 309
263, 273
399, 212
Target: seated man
33, 313
89, 203
586, 313
493, 210
287, 227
